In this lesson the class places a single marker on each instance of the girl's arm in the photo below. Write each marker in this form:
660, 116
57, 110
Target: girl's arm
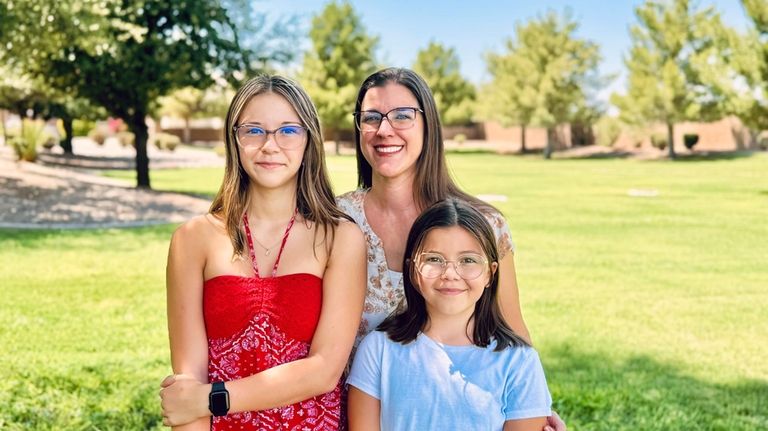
186, 327
186, 396
509, 297
529, 424
364, 411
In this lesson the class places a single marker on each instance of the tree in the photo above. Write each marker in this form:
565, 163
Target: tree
752, 64
341, 57
543, 78
454, 95
189, 102
124, 55
675, 49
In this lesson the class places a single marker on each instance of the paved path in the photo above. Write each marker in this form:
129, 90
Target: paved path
64, 193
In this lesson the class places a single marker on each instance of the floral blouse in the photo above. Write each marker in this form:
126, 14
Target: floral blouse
385, 287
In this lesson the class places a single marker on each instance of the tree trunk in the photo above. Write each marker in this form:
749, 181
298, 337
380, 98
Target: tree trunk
523, 149
138, 126
66, 143
5, 129
550, 144
671, 139
187, 132
336, 142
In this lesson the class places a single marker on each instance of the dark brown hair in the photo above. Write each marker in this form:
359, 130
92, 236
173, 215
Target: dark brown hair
404, 325
432, 182
314, 196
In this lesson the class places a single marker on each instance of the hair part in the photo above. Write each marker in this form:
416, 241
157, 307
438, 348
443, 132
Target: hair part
433, 182
404, 325
314, 196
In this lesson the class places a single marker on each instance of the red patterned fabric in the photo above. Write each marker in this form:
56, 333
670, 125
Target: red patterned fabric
254, 324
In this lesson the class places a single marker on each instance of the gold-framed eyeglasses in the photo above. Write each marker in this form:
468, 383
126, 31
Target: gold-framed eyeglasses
399, 118
469, 266
288, 137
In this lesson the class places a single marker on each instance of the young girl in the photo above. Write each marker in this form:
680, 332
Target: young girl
266, 291
448, 360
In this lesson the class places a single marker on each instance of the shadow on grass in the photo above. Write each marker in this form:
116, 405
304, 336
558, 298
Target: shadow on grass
75, 239
592, 392
701, 156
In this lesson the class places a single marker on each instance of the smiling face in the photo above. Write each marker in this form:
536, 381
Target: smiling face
392, 153
269, 165
449, 294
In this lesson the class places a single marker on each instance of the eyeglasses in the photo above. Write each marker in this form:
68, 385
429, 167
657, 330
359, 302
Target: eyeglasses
469, 266
288, 137
399, 118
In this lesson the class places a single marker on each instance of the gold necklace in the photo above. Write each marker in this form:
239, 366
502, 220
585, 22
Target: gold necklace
268, 250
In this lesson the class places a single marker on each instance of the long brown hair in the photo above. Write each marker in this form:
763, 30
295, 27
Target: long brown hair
404, 325
314, 196
432, 182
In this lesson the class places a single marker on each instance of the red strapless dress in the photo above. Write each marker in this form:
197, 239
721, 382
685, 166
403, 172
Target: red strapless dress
254, 324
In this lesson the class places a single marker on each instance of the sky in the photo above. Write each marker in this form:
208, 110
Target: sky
477, 27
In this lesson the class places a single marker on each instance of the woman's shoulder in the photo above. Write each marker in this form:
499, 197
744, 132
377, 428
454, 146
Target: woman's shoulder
351, 200
199, 228
348, 234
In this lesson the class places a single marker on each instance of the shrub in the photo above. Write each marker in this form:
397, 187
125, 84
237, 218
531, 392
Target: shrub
33, 134
98, 135
166, 141
607, 131
126, 139
659, 140
763, 143
690, 140
460, 138
82, 127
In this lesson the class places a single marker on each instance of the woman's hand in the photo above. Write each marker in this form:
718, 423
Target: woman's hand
183, 399
555, 423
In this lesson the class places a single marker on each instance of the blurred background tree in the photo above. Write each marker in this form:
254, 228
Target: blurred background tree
454, 95
543, 77
341, 57
124, 56
674, 50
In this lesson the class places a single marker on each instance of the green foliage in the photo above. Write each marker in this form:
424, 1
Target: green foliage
690, 140
460, 138
750, 60
544, 77
635, 331
454, 95
341, 57
33, 135
607, 130
81, 127
659, 140
126, 139
124, 55
166, 141
98, 135
673, 65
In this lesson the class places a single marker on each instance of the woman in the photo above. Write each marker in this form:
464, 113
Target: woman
448, 360
270, 326
401, 171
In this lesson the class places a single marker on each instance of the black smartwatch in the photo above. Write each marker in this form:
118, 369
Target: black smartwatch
218, 399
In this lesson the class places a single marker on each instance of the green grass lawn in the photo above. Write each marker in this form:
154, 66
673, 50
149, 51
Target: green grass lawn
649, 312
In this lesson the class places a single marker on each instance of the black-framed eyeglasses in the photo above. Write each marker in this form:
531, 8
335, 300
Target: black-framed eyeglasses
399, 118
288, 137
469, 266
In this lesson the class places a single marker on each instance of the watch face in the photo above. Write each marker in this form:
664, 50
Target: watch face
219, 403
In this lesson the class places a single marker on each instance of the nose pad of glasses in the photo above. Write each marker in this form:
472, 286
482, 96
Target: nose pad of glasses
454, 268
388, 129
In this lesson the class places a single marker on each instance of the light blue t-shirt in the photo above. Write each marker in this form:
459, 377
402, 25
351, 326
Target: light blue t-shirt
426, 385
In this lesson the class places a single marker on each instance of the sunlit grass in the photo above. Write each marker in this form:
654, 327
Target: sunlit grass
648, 311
